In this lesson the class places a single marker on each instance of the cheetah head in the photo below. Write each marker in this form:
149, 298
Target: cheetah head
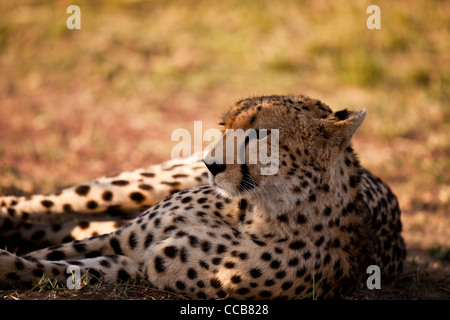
300, 140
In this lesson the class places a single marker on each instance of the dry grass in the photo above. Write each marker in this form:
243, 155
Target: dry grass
75, 105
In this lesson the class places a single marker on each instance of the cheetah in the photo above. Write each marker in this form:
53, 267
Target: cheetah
320, 220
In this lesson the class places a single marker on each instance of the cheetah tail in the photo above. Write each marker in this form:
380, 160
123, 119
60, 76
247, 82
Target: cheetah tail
16, 271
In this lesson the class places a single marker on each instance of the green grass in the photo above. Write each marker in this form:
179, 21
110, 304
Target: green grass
140, 45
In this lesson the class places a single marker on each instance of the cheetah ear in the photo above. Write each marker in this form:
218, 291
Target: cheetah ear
342, 125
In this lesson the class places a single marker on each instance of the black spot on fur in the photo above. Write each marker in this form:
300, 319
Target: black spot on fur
122, 275
327, 259
297, 245
318, 227
299, 289
266, 256
215, 283
192, 274
172, 184
105, 263
145, 186
79, 247
206, 246
180, 175
148, 240
171, 251
319, 241
132, 241
336, 243
301, 272
293, 262
255, 273
286, 285
120, 183
19, 265
354, 181
114, 243
348, 162
83, 225
243, 291
236, 279
259, 242
12, 276
137, 197
160, 264
219, 205
327, 211
221, 249
243, 204
184, 254
301, 219
180, 285
265, 294
306, 255
82, 190
179, 219
92, 204
269, 282
56, 255
275, 264
243, 256
147, 174
193, 241
47, 203
186, 200
107, 195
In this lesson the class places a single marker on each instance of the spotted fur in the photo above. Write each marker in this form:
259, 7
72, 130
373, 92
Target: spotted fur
322, 218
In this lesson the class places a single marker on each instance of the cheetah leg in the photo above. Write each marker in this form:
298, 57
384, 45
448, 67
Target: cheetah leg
23, 271
44, 234
75, 250
128, 191
97, 254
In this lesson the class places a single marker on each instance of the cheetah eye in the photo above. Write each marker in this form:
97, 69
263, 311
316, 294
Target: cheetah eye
221, 123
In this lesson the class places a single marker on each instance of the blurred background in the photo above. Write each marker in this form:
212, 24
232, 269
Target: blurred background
79, 104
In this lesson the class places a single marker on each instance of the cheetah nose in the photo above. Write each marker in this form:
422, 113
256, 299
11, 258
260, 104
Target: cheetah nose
215, 168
